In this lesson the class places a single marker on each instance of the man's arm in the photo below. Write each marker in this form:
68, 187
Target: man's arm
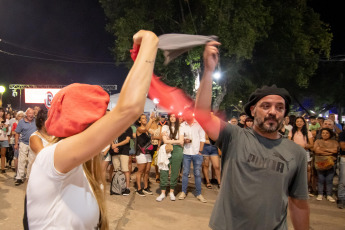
16, 141
209, 122
124, 142
299, 213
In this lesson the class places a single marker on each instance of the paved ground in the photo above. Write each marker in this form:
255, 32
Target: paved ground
134, 212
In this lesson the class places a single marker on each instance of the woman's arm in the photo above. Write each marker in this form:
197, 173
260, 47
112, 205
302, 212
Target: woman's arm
334, 148
310, 143
77, 149
35, 144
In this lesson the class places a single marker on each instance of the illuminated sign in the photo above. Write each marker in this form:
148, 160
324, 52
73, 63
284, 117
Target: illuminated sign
40, 96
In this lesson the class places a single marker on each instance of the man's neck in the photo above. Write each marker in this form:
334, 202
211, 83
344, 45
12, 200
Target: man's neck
274, 136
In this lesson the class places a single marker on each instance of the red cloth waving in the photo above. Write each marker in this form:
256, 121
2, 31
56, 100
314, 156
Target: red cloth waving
172, 99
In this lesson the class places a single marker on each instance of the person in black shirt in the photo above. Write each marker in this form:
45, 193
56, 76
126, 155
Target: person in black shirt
242, 121
120, 155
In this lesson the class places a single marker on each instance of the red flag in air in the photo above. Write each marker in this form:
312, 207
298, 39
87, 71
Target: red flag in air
170, 98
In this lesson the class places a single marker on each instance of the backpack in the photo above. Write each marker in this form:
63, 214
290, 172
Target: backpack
118, 183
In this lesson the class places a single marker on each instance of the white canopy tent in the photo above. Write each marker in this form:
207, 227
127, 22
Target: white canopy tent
149, 105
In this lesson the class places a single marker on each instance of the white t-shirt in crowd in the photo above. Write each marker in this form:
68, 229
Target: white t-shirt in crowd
196, 134
3, 134
59, 201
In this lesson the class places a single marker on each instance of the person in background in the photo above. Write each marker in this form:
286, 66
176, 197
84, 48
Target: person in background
119, 152
40, 138
287, 124
337, 127
132, 150
24, 129
320, 120
233, 121
248, 123
242, 119
143, 158
19, 115
3, 138
36, 110
341, 182
163, 120
327, 124
314, 125
171, 134
210, 153
325, 147
155, 132
194, 140
301, 136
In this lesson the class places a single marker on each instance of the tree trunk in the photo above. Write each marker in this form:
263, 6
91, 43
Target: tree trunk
219, 97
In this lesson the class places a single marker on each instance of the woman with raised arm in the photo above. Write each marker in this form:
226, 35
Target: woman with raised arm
143, 157
66, 188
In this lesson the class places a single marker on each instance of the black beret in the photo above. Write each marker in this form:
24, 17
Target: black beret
265, 91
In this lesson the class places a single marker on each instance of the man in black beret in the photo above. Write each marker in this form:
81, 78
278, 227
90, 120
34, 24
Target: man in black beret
262, 173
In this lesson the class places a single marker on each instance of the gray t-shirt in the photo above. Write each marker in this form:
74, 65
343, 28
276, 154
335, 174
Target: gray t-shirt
258, 176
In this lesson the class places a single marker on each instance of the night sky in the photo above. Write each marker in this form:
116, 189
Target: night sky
75, 30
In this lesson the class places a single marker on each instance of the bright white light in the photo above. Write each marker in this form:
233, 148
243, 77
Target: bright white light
216, 75
156, 101
179, 114
2, 89
312, 111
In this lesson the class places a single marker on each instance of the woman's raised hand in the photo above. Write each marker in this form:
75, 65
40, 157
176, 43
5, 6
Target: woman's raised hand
143, 35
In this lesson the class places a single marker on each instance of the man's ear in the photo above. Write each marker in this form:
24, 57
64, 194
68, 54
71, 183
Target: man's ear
252, 110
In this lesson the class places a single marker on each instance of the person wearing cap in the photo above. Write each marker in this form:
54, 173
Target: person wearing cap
263, 174
66, 187
242, 119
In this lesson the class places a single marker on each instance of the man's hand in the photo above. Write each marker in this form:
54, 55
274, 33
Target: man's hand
187, 141
211, 56
16, 146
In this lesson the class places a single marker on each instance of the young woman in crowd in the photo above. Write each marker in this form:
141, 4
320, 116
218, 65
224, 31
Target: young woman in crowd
65, 186
143, 158
40, 138
155, 132
210, 153
327, 149
171, 134
301, 136
3, 138
248, 123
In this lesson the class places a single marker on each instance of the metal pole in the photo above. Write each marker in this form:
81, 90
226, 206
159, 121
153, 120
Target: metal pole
20, 99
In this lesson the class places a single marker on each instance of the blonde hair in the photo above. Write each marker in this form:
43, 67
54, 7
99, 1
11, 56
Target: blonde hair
93, 172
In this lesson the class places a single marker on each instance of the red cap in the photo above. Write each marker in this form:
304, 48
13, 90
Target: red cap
74, 108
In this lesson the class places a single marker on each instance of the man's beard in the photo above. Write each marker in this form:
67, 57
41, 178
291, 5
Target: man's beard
270, 128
